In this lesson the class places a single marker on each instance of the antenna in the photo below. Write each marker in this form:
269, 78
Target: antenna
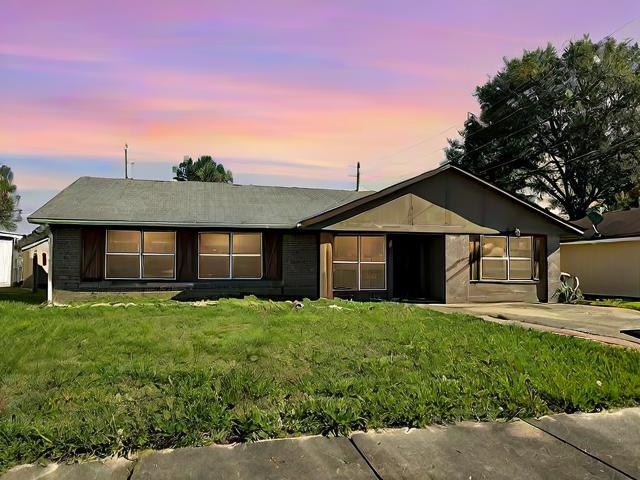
357, 175
126, 166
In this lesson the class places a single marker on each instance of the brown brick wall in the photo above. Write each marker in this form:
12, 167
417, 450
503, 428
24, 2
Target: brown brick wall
300, 256
66, 258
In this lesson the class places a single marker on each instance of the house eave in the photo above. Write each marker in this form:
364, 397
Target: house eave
129, 223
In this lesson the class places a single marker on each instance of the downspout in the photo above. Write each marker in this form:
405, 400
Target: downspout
51, 267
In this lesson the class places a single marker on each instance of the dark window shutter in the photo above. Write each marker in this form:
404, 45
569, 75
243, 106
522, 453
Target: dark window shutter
474, 257
539, 257
92, 265
272, 253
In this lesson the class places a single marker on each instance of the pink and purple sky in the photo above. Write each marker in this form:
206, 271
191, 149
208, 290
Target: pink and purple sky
282, 92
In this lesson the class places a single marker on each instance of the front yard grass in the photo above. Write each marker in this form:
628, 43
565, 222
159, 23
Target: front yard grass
616, 302
94, 381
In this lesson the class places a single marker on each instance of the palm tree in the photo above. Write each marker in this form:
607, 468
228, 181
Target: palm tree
8, 200
205, 169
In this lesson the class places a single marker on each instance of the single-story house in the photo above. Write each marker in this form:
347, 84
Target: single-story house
7, 258
606, 259
443, 236
33, 258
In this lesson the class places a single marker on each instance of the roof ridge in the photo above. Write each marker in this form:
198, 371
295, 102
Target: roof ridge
222, 183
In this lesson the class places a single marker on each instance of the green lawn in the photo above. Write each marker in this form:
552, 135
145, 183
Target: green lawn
82, 380
616, 302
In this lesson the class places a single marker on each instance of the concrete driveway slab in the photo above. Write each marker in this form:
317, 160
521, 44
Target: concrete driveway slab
469, 450
613, 437
312, 457
587, 321
116, 470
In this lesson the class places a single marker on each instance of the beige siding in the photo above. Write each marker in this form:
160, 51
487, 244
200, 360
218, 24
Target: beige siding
27, 262
604, 268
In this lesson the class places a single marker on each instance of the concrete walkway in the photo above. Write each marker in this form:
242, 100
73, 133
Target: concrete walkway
603, 324
580, 446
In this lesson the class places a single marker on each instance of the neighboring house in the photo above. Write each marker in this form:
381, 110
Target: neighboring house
443, 236
606, 261
33, 251
7, 258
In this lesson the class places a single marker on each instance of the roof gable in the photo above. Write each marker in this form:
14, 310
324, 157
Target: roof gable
338, 215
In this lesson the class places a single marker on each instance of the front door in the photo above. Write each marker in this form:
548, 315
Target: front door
418, 267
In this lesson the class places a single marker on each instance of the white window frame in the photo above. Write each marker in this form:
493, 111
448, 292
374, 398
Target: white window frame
508, 258
359, 262
140, 254
231, 255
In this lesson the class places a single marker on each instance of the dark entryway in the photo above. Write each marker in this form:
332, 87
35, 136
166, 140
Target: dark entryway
417, 267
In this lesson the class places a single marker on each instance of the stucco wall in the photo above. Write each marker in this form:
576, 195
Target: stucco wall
460, 289
456, 267
605, 268
553, 266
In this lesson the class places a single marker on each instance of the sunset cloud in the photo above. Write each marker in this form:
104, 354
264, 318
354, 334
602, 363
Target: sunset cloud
289, 92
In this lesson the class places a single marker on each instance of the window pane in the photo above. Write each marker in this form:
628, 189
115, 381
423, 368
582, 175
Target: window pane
494, 269
159, 242
123, 266
371, 276
247, 267
247, 243
345, 276
214, 243
494, 246
345, 248
157, 266
372, 249
520, 247
520, 269
214, 267
123, 241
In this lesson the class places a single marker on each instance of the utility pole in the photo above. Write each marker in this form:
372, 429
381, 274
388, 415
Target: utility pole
126, 166
358, 178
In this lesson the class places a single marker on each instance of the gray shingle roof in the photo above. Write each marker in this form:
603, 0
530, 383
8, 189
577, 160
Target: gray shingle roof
616, 224
111, 201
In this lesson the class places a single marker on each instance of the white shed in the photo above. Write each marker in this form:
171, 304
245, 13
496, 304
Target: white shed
7, 255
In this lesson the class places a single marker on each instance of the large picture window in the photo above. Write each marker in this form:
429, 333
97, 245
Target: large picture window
230, 255
132, 254
359, 262
506, 258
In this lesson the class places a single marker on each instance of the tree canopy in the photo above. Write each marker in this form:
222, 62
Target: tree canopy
9, 212
204, 169
560, 126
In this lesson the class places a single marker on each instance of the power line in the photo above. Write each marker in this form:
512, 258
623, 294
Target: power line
505, 98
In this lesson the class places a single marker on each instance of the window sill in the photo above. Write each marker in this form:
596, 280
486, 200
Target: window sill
511, 282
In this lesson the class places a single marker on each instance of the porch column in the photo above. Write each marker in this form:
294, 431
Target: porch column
326, 265
50, 273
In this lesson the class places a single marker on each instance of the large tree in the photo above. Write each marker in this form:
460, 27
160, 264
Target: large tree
561, 126
9, 213
204, 169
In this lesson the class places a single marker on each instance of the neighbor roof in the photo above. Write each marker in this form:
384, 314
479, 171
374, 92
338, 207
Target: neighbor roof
110, 201
618, 224
39, 235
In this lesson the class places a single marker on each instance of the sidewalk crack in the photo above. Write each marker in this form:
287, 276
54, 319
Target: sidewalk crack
371, 467
580, 450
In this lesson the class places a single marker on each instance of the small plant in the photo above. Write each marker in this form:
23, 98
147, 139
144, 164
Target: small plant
569, 290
